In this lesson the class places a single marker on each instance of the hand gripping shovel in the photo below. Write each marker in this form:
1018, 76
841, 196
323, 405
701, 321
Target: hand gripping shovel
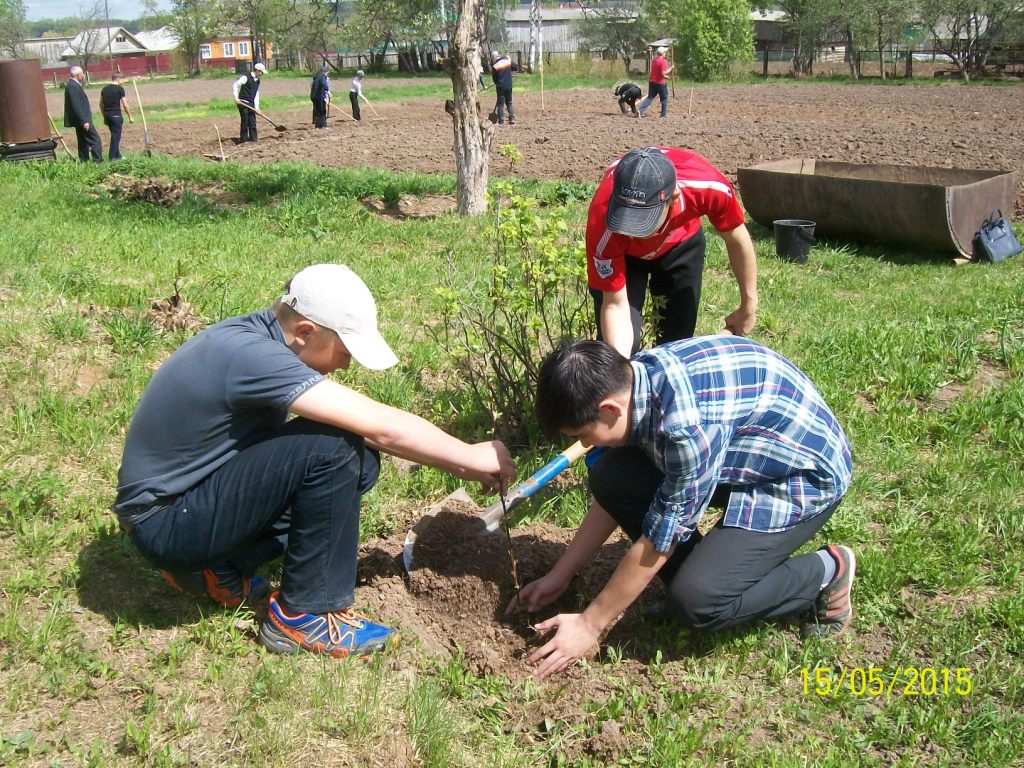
493, 515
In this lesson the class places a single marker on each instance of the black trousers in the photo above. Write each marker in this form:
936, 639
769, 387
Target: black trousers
352, 97
504, 100
320, 114
729, 577
115, 123
89, 144
247, 124
631, 101
676, 277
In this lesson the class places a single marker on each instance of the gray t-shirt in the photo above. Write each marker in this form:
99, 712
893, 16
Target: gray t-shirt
219, 393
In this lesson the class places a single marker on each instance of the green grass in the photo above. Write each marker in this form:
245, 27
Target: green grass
923, 363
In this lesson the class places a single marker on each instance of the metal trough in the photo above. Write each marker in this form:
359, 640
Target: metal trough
936, 209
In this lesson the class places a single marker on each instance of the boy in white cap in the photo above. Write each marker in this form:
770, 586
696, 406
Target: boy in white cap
355, 93
656, 85
501, 74
246, 90
216, 479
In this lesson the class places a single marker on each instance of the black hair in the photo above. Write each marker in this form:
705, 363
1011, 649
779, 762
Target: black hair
573, 381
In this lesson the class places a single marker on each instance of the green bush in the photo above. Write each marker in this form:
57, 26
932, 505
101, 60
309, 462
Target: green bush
498, 333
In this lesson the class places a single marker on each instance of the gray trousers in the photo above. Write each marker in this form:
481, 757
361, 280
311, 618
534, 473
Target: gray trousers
728, 577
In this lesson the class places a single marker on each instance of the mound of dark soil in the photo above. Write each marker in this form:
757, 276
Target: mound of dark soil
461, 582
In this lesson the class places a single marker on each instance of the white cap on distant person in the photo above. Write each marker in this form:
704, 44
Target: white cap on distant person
258, 67
662, 49
332, 295
360, 73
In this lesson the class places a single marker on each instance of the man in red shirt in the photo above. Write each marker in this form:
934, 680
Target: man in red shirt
656, 82
644, 224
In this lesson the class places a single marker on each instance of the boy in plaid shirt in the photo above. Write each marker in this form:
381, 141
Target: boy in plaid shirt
713, 421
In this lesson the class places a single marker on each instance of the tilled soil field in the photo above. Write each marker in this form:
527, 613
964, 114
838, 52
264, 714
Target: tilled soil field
579, 131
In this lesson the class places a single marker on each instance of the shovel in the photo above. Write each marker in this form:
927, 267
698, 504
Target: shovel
145, 128
278, 128
59, 136
493, 515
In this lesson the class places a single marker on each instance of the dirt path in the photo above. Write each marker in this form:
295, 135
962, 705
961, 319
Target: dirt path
580, 130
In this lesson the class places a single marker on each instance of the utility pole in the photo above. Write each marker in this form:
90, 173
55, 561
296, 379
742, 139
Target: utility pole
110, 47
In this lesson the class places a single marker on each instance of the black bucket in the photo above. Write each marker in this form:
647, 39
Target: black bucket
793, 239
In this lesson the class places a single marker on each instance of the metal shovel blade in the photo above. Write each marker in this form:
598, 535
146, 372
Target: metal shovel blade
422, 524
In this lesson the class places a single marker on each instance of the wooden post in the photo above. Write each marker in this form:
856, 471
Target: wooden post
689, 110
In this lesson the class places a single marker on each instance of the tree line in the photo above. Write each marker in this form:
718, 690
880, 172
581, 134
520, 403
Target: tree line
709, 35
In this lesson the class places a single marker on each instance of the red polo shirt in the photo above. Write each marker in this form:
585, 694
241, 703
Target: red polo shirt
705, 192
658, 66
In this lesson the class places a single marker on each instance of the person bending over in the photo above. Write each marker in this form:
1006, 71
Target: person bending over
715, 421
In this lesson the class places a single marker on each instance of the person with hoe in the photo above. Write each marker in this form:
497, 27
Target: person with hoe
717, 421
355, 93
656, 85
215, 478
320, 95
644, 225
628, 93
112, 99
246, 90
78, 115
501, 74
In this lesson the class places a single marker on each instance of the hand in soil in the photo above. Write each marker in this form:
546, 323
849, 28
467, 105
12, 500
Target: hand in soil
538, 594
574, 639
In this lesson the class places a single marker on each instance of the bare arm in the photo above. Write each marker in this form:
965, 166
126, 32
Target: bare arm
577, 633
594, 531
403, 434
616, 323
124, 105
743, 261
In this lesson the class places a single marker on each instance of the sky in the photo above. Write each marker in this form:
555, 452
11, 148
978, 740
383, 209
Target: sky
56, 9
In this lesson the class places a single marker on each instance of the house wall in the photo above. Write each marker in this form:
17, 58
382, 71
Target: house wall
132, 65
219, 57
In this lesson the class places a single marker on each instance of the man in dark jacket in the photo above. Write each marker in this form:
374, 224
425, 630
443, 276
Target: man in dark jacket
246, 90
78, 115
320, 95
501, 74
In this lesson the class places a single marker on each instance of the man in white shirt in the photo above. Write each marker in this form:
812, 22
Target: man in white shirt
246, 90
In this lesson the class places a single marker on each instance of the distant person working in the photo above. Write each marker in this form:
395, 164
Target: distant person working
656, 85
112, 100
355, 93
247, 96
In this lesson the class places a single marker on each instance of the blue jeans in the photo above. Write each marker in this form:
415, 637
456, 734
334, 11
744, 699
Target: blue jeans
296, 493
661, 91
115, 123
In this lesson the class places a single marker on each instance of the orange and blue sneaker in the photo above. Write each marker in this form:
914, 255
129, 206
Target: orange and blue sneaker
337, 633
223, 584
833, 611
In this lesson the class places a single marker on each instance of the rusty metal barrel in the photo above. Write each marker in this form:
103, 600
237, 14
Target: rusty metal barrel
23, 117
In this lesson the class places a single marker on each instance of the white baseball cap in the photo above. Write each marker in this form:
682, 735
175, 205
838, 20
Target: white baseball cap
332, 295
259, 68
662, 49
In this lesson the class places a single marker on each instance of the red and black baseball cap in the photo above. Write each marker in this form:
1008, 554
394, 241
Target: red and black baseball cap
643, 183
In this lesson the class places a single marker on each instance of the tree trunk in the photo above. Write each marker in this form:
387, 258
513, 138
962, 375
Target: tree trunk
534, 35
472, 136
851, 56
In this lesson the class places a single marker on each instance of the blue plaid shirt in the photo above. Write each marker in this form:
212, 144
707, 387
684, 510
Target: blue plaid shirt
724, 409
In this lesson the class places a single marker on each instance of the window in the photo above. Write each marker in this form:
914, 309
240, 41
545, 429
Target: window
119, 39
229, 49
243, 50
205, 52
